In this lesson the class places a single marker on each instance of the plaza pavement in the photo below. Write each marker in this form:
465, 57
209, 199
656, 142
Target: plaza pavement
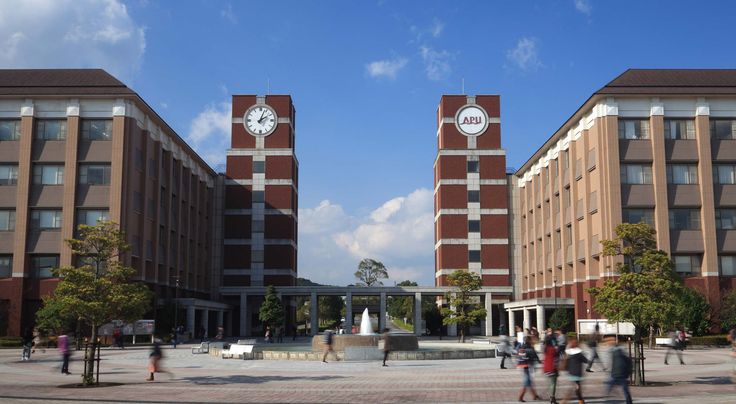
202, 378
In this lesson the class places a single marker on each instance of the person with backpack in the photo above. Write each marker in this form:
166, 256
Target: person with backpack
327, 342
573, 363
504, 349
677, 344
593, 345
527, 357
621, 367
551, 364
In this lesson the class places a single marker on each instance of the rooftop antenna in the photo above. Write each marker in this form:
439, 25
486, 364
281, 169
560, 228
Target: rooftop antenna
463, 86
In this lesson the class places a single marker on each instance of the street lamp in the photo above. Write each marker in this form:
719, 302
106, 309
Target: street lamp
554, 290
176, 308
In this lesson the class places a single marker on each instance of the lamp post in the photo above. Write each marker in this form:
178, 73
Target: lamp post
176, 308
554, 290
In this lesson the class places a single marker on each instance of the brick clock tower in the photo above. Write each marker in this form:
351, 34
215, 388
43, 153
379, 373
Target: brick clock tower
470, 199
260, 223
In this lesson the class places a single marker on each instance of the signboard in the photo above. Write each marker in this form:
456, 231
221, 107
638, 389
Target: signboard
140, 327
587, 327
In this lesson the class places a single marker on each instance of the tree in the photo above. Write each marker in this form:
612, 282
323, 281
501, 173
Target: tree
97, 291
272, 312
646, 293
402, 306
728, 311
462, 309
330, 310
560, 319
694, 312
370, 272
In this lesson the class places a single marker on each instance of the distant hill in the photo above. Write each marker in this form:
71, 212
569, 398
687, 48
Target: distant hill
307, 282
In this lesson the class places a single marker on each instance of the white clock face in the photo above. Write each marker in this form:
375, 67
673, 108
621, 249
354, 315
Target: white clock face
471, 120
260, 120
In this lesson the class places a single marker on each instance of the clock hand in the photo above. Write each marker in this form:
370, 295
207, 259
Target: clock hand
261, 118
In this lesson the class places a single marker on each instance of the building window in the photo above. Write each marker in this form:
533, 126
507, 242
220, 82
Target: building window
638, 216
684, 219
723, 129
8, 174
259, 196
724, 174
91, 217
7, 220
258, 226
473, 166
687, 265
473, 255
41, 265
633, 129
259, 167
97, 129
679, 129
473, 196
256, 256
135, 246
137, 202
636, 174
6, 266
149, 250
10, 130
138, 159
94, 174
51, 129
727, 265
726, 219
473, 226
46, 174
45, 219
682, 174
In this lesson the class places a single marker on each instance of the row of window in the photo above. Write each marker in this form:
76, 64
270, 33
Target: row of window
676, 173
55, 129
675, 129
50, 219
39, 265
53, 174
682, 219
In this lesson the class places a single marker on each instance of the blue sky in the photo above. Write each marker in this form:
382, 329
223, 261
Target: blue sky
366, 78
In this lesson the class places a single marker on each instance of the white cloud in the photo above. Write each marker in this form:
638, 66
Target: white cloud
70, 33
436, 63
584, 7
386, 68
437, 28
228, 14
209, 132
525, 55
400, 233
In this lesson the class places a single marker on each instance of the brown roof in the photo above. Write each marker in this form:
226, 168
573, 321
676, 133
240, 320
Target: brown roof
60, 82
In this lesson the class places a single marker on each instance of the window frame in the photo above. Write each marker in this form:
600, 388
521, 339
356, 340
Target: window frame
37, 220
39, 174
636, 129
16, 131
692, 170
474, 256
693, 218
717, 174
84, 177
6, 266
40, 132
644, 174
689, 129
10, 226
474, 196
692, 257
83, 213
714, 129
85, 129
473, 226
36, 271
720, 265
12, 175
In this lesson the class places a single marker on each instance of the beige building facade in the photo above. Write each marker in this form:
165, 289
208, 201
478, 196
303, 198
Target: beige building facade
657, 146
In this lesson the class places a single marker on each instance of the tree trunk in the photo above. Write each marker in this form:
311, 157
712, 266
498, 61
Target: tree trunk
89, 377
638, 359
462, 334
651, 335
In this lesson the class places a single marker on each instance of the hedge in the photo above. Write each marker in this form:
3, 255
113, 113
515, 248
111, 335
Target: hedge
11, 342
720, 340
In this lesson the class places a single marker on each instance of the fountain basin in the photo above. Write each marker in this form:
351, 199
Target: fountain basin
399, 342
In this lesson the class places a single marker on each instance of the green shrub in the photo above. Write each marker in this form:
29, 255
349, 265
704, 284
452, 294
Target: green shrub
717, 340
11, 342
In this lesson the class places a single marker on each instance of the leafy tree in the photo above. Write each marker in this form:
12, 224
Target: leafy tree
272, 312
462, 308
560, 319
694, 311
370, 272
646, 293
402, 306
728, 311
99, 290
330, 310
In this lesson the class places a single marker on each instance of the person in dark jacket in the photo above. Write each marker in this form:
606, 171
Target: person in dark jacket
327, 343
27, 341
504, 349
526, 360
620, 370
386, 345
574, 363
593, 345
677, 344
551, 364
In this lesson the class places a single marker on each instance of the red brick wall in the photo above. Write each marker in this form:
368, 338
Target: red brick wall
240, 167
494, 226
278, 257
279, 226
280, 197
238, 226
279, 167
452, 226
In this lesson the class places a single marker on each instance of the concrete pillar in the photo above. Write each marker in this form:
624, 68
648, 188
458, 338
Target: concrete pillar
382, 313
527, 321
541, 321
205, 320
244, 329
418, 329
229, 324
314, 313
512, 323
489, 315
452, 328
220, 318
348, 312
190, 320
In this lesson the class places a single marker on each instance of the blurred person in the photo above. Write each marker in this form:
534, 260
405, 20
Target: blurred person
386, 345
561, 341
505, 350
593, 345
63, 344
574, 362
677, 344
551, 364
156, 357
327, 342
621, 367
27, 341
527, 357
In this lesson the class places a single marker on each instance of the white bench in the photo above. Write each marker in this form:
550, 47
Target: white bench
203, 347
243, 348
481, 341
663, 341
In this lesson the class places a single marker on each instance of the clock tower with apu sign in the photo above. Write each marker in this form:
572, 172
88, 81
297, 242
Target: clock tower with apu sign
260, 217
471, 197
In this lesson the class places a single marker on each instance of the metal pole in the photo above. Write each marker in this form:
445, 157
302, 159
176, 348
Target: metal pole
98, 361
176, 310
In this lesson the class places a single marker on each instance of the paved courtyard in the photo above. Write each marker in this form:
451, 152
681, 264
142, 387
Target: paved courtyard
201, 378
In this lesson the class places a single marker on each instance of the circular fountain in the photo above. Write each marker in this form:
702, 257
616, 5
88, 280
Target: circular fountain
366, 338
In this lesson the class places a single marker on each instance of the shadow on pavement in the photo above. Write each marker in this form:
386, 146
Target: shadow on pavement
712, 380
241, 379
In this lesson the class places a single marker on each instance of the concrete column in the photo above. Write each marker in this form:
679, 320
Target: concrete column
452, 328
205, 320
418, 329
489, 315
527, 322
541, 321
220, 318
244, 329
229, 324
382, 313
512, 323
314, 313
190, 320
348, 312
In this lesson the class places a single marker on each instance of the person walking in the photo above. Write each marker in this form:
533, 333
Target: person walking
527, 357
593, 345
63, 344
561, 342
27, 342
677, 344
502, 329
327, 342
155, 364
280, 335
551, 364
504, 349
574, 362
386, 345
268, 335
621, 367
